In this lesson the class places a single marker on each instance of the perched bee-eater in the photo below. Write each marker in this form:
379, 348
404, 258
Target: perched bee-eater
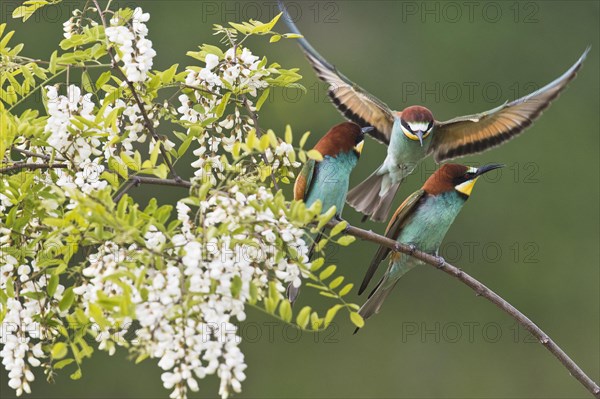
327, 180
413, 134
422, 221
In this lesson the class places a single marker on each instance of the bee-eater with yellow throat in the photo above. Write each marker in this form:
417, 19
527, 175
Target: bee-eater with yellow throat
328, 179
413, 133
422, 220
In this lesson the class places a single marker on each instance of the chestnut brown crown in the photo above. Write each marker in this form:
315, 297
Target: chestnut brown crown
340, 139
456, 177
416, 114
446, 178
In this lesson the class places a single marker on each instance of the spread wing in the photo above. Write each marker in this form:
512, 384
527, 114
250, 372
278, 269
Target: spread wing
475, 133
351, 100
393, 230
304, 180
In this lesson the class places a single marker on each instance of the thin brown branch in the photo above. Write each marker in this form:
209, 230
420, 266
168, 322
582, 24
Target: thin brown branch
162, 182
129, 184
36, 155
205, 91
135, 181
485, 292
150, 126
32, 166
39, 61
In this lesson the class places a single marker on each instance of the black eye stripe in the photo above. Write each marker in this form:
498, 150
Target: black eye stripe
407, 126
359, 136
461, 179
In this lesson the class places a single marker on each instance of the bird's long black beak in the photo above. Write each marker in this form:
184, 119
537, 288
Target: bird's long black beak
487, 168
420, 134
359, 146
367, 129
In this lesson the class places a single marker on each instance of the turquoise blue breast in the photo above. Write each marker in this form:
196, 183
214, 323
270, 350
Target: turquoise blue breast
426, 229
331, 179
431, 221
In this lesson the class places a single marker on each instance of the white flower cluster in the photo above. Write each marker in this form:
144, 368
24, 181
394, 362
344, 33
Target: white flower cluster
87, 179
69, 27
131, 130
78, 146
242, 71
61, 110
186, 309
280, 156
135, 50
20, 333
209, 165
239, 72
69, 141
200, 339
72, 25
110, 260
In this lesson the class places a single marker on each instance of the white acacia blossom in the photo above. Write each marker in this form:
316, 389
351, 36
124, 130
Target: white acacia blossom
245, 72
169, 285
82, 149
135, 50
20, 333
72, 142
241, 71
109, 261
61, 110
68, 27
187, 323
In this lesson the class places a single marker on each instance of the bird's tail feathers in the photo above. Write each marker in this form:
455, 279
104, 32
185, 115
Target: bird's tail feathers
376, 299
366, 197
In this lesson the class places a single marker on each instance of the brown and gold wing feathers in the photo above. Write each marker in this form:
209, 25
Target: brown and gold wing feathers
392, 231
352, 101
476, 133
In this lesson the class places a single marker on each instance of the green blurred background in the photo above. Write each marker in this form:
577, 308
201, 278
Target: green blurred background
530, 233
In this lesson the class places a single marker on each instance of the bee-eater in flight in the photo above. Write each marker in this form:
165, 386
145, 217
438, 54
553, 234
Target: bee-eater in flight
413, 133
328, 180
422, 221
